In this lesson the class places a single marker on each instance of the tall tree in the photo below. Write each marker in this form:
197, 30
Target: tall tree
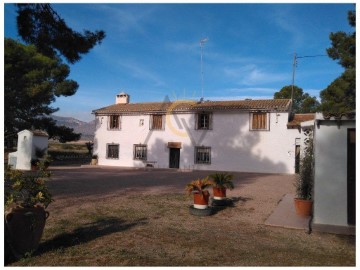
302, 103
40, 25
340, 96
35, 75
32, 82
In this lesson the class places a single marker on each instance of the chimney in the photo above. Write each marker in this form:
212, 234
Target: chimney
122, 98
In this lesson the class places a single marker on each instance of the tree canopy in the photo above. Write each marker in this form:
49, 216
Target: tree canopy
302, 103
340, 96
32, 81
40, 25
35, 74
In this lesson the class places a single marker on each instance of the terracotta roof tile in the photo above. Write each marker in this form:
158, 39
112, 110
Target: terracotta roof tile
299, 118
185, 106
40, 133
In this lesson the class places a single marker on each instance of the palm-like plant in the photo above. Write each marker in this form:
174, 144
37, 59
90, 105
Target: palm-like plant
222, 180
198, 185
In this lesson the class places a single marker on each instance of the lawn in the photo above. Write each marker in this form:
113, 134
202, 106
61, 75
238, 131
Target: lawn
115, 226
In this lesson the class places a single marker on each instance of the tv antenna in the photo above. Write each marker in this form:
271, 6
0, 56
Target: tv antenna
294, 69
202, 42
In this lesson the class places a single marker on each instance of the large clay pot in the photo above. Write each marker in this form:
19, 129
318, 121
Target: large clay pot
94, 161
303, 207
201, 200
24, 228
219, 193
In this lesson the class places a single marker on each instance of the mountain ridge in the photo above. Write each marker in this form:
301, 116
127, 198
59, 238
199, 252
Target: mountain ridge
87, 129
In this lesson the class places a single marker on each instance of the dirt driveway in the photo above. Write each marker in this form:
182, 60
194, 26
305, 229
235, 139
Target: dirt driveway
262, 191
125, 217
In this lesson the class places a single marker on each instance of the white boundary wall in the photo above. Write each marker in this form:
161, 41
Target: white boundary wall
330, 189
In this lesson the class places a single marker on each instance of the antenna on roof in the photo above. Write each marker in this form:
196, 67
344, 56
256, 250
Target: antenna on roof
202, 42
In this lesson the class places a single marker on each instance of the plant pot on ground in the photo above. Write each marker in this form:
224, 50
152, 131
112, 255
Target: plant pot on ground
198, 189
221, 182
94, 160
304, 182
26, 197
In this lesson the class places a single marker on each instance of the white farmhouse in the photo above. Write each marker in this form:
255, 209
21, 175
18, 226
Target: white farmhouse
239, 135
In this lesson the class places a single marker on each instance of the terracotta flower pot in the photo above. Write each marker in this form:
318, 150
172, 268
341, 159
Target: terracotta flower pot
94, 161
24, 228
201, 201
303, 207
219, 193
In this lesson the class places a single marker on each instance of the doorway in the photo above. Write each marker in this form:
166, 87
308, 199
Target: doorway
351, 176
174, 160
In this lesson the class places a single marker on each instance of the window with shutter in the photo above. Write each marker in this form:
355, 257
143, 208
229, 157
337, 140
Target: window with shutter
259, 121
157, 122
114, 122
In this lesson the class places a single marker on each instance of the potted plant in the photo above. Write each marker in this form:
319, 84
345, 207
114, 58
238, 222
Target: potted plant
304, 182
34, 164
221, 182
26, 198
94, 160
198, 189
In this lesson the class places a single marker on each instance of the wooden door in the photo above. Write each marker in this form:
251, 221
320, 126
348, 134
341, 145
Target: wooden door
351, 176
174, 161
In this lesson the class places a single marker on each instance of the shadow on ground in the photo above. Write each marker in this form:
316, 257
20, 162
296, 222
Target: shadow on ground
84, 234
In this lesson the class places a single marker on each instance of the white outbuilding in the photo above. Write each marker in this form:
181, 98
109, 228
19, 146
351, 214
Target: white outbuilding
29, 144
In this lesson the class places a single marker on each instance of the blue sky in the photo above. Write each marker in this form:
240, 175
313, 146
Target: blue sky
152, 50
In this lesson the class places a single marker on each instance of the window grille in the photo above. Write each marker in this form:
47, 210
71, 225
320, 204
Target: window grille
140, 151
203, 155
112, 151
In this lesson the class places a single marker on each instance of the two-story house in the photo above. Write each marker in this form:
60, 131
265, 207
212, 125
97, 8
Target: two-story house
237, 135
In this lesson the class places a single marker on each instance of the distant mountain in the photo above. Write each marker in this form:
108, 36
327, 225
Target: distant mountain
87, 129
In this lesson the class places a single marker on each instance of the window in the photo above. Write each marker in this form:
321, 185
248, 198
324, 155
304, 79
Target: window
259, 121
112, 151
114, 121
140, 151
202, 155
204, 121
157, 122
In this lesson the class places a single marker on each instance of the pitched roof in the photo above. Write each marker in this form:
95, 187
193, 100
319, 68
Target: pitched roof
40, 133
186, 106
299, 118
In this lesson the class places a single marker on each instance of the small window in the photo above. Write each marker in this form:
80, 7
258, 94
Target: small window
157, 122
112, 151
259, 121
203, 155
204, 121
140, 151
114, 122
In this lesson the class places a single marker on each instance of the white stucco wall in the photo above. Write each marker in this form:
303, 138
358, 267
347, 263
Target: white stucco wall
330, 187
233, 146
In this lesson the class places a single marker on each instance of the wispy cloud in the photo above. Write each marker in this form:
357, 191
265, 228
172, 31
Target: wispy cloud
287, 21
126, 20
253, 75
181, 47
137, 71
